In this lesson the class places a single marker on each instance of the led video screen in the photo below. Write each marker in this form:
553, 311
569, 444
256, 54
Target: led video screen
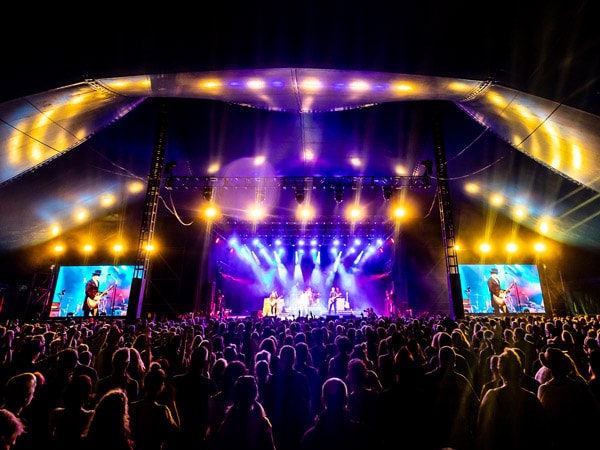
68, 294
521, 283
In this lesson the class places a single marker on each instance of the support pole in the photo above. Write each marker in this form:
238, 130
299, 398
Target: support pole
447, 222
142, 263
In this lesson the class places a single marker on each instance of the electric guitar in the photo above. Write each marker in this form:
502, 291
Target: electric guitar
500, 300
93, 302
333, 298
275, 300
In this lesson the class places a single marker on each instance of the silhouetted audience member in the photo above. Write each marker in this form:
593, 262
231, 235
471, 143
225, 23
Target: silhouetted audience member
406, 389
119, 378
385, 360
136, 368
153, 426
192, 391
462, 346
10, 429
245, 425
338, 364
222, 400
495, 380
334, 427
60, 372
19, 392
68, 421
569, 404
287, 401
593, 381
217, 370
143, 344
359, 351
270, 345
491, 344
314, 380
452, 404
18, 395
29, 358
109, 425
362, 399
522, 342
527, 381
461, 365
262, 373
109, 338
84, 365
318, 351
509, 416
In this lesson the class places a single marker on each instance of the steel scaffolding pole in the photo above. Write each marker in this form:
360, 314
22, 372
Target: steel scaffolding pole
447, 222
142, 263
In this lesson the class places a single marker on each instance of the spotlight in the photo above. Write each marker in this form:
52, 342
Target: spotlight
300, 196
207, 193
387, 192
338, 194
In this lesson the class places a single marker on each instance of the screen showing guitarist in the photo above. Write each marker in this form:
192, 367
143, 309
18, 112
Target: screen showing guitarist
92, 295
497, 294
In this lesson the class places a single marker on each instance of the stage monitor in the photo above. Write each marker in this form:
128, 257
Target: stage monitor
68, 293
520, 281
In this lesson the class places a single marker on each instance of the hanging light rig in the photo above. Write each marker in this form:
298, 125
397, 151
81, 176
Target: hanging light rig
419, 179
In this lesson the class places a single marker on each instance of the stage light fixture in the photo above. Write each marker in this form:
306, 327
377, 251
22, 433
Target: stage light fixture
428, 167
300, 196
428, 171
260, 196
338, 194
169, 168
207, 193
387, 192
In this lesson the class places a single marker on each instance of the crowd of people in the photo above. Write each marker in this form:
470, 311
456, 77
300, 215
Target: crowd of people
211, 383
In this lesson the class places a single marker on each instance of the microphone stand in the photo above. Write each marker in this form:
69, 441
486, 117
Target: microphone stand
518, 296
114, 294
61, 296
112, 303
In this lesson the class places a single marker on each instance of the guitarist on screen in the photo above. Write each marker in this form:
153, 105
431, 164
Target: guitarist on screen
497, 294
92, 296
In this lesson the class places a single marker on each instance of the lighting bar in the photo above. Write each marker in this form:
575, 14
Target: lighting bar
396, 182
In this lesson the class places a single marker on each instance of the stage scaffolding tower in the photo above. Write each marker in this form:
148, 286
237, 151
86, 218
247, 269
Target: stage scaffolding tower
447, 223
142, 262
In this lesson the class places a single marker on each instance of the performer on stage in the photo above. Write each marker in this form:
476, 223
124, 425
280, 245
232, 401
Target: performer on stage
219, 304
334, 294
274, 302
390, 309
306, 299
